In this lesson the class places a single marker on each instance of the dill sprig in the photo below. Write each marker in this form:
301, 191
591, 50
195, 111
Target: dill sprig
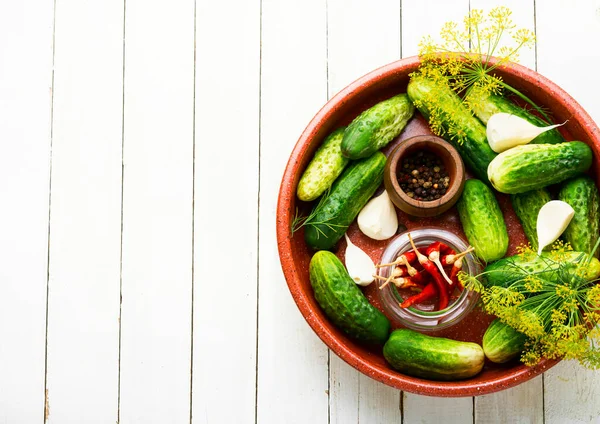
461, 62
300, 220
557, 306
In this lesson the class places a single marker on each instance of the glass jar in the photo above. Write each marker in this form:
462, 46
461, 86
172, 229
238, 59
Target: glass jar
422, 319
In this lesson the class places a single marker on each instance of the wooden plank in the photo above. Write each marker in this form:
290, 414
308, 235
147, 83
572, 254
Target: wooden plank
521, 404
25, 109
418, 21
571, 392
85, 216
360, 39
226, 95
292, 361
432, 410
524, 403
157, 212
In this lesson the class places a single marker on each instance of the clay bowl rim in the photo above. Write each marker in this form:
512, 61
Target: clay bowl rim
456, 182
285, 212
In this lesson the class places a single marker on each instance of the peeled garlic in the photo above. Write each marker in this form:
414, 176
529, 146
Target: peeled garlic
553, 219
359, 265
378, 219
505, 131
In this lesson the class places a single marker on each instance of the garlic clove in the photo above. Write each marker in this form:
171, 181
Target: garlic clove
378, 219
359, 265
505, 131
553, 219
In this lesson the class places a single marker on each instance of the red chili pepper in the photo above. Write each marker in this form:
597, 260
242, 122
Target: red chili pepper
454, 274
429, 292
443, 248
405, 283
435, 274
421, 278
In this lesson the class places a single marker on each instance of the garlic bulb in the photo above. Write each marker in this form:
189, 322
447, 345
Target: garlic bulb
553, 219
378, 219
359, 265
505, 131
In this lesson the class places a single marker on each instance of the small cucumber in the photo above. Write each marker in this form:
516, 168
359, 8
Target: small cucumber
582, 194
326, 165
482, 221
501, 342
433, 358
533, 166
504, 271
331, 217
527, 206
377, 126
475, 150
484, 105
343, 302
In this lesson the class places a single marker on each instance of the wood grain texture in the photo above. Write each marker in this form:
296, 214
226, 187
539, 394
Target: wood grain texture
292, 360
420, 18
521, 404
85, 216
157, 212
431, 410
26, 30
353, 30
572, 394
524, 403
227, 92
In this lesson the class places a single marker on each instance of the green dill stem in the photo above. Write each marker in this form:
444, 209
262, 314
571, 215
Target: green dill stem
527, 99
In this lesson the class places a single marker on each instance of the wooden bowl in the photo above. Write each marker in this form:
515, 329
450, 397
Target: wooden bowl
295, 255
452, 161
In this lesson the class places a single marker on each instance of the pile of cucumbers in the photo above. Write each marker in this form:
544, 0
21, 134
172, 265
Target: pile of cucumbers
347, 169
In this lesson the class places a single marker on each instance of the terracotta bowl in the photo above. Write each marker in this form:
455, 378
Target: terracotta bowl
451, 160
295, 255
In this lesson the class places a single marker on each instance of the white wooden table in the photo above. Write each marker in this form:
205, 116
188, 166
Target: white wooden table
142, 146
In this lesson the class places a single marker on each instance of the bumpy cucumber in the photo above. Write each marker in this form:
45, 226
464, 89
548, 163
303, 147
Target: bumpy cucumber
475, 151
501, 342
377, 126
582, 194
482, 221
527, 206
504, 271
326, 165
533, 166
484, 105
343, 302
350, 192
434, 358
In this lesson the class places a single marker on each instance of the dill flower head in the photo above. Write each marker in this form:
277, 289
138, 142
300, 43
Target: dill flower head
556, 304
461, 62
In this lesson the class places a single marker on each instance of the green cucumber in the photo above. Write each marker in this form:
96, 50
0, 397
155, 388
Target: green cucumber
377, 126
484, 105
582, 194
475, 150
326, 165
433, 358
331, 217
504, 271
501, 342
527, 206
533, 166
482, 221
343, 302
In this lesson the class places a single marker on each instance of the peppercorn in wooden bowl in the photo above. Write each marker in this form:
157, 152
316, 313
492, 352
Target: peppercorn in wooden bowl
424, 176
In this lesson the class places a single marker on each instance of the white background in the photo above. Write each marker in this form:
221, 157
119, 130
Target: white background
142, 146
